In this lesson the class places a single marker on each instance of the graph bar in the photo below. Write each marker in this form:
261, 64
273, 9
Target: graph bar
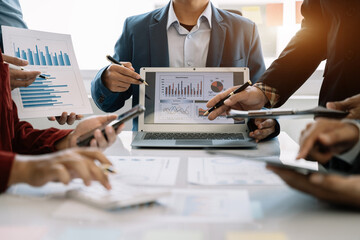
45, 58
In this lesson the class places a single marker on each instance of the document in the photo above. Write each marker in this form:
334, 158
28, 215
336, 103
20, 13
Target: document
144, 170
229, 171
53, 55
209, 205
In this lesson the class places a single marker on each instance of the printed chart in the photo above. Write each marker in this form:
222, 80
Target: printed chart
54, 56
182, 97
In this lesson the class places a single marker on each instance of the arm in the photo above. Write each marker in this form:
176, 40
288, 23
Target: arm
307, 49
107, 95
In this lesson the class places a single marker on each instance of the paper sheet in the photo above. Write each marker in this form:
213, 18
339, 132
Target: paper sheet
229, 171
144, 170
209, 205
53, 55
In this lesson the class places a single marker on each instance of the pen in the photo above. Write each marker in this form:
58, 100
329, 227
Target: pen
111, 59
221, 102
108, 168
12, 66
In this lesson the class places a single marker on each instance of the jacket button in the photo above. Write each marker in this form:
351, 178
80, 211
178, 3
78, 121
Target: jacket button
101, 99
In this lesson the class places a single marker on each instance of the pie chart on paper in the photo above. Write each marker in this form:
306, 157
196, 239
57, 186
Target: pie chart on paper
217, 86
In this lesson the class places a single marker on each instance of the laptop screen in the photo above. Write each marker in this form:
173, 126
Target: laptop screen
181, 97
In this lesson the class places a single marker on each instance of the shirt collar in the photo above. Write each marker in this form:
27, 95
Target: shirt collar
172, 18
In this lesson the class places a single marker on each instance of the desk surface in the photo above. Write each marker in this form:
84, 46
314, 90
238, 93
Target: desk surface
283, 210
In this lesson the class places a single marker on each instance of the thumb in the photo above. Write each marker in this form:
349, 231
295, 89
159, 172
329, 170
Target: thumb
106, 118
341, 106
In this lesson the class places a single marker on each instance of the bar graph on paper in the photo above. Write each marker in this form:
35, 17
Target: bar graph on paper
53, 55
45, 57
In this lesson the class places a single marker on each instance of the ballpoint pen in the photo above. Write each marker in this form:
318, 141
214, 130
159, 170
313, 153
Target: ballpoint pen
221, 102
12, 66
108, 168
114, 61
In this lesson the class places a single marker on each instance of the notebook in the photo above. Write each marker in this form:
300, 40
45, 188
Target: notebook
175, 102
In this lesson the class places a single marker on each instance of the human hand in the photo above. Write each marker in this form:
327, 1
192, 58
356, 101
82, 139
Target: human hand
249, 99
65, 118
326, 137
330, 188
89, 124
59, 167
119, 78
351, 105
265, 127
20, 78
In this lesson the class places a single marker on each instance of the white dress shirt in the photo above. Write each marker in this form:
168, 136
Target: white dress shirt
188, 49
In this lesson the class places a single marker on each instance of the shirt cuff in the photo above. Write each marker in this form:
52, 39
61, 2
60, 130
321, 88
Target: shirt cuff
270, 93
350, 156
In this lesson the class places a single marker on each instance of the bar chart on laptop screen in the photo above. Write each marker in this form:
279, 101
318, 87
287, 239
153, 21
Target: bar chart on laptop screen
53, 55
182, 98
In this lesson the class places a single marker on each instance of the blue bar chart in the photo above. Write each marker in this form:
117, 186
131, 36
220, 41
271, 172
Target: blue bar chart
42, 58
43, 93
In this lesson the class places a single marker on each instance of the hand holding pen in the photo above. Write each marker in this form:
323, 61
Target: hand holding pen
118, 77
219, 103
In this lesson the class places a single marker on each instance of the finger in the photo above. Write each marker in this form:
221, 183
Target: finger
261, 134
79, 117
100, 139
348, 133
128, 65
52, 118
236, 98
79, 168
98, 174
21, 83
265, 123
319, 156
71, 118
110, 135
59, 173
307, 141
95, 155
14, 60
122, 80
93, 143
23, 75
104, 119
120, 128
62, 119
122, 70
218, 111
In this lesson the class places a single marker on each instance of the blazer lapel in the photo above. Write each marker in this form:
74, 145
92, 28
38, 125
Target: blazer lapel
217, 40
159, 53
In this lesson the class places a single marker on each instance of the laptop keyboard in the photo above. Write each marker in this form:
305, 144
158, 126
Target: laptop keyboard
193, 136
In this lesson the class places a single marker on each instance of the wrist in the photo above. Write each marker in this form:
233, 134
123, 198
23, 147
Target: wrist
19, 171
64, 143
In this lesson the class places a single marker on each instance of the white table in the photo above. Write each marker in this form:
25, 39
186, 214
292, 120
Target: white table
284, 210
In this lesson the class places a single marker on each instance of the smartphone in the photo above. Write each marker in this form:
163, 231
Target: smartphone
84, 140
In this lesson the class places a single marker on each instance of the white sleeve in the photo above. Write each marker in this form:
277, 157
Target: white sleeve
351, 154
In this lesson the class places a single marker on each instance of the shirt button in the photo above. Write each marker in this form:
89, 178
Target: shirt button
189, 63
189, 36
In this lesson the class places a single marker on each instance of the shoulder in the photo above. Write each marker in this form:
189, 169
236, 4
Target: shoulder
234, 20
143, 19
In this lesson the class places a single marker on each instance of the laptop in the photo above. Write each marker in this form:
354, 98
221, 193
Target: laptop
175, 102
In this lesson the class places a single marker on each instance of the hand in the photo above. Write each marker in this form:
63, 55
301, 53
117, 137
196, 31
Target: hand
20, 78
352, 105
265, 128
331, 188
65, 118
250, 99
119, 78
325, 138
89, 124
59, 167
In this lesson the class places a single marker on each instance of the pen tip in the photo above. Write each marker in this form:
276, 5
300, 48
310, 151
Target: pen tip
146, 83
206, 113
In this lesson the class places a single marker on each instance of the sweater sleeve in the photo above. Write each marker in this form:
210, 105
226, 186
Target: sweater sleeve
6, 161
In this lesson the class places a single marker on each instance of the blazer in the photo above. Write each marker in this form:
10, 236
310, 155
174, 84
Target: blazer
330, 30
234, 42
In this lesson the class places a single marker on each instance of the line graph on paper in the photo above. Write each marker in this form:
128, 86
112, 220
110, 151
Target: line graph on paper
170, 111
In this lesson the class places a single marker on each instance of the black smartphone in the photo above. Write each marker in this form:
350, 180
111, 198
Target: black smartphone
84, 140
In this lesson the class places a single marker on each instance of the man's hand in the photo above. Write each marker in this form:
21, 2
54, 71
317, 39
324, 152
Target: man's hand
324, 138
89, 124
65, 118
119, 78
60, 167
265, 128
330, 188
20, 78
351, 105
250, 99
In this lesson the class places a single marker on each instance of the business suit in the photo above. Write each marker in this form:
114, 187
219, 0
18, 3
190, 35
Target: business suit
234, 42
330, 30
